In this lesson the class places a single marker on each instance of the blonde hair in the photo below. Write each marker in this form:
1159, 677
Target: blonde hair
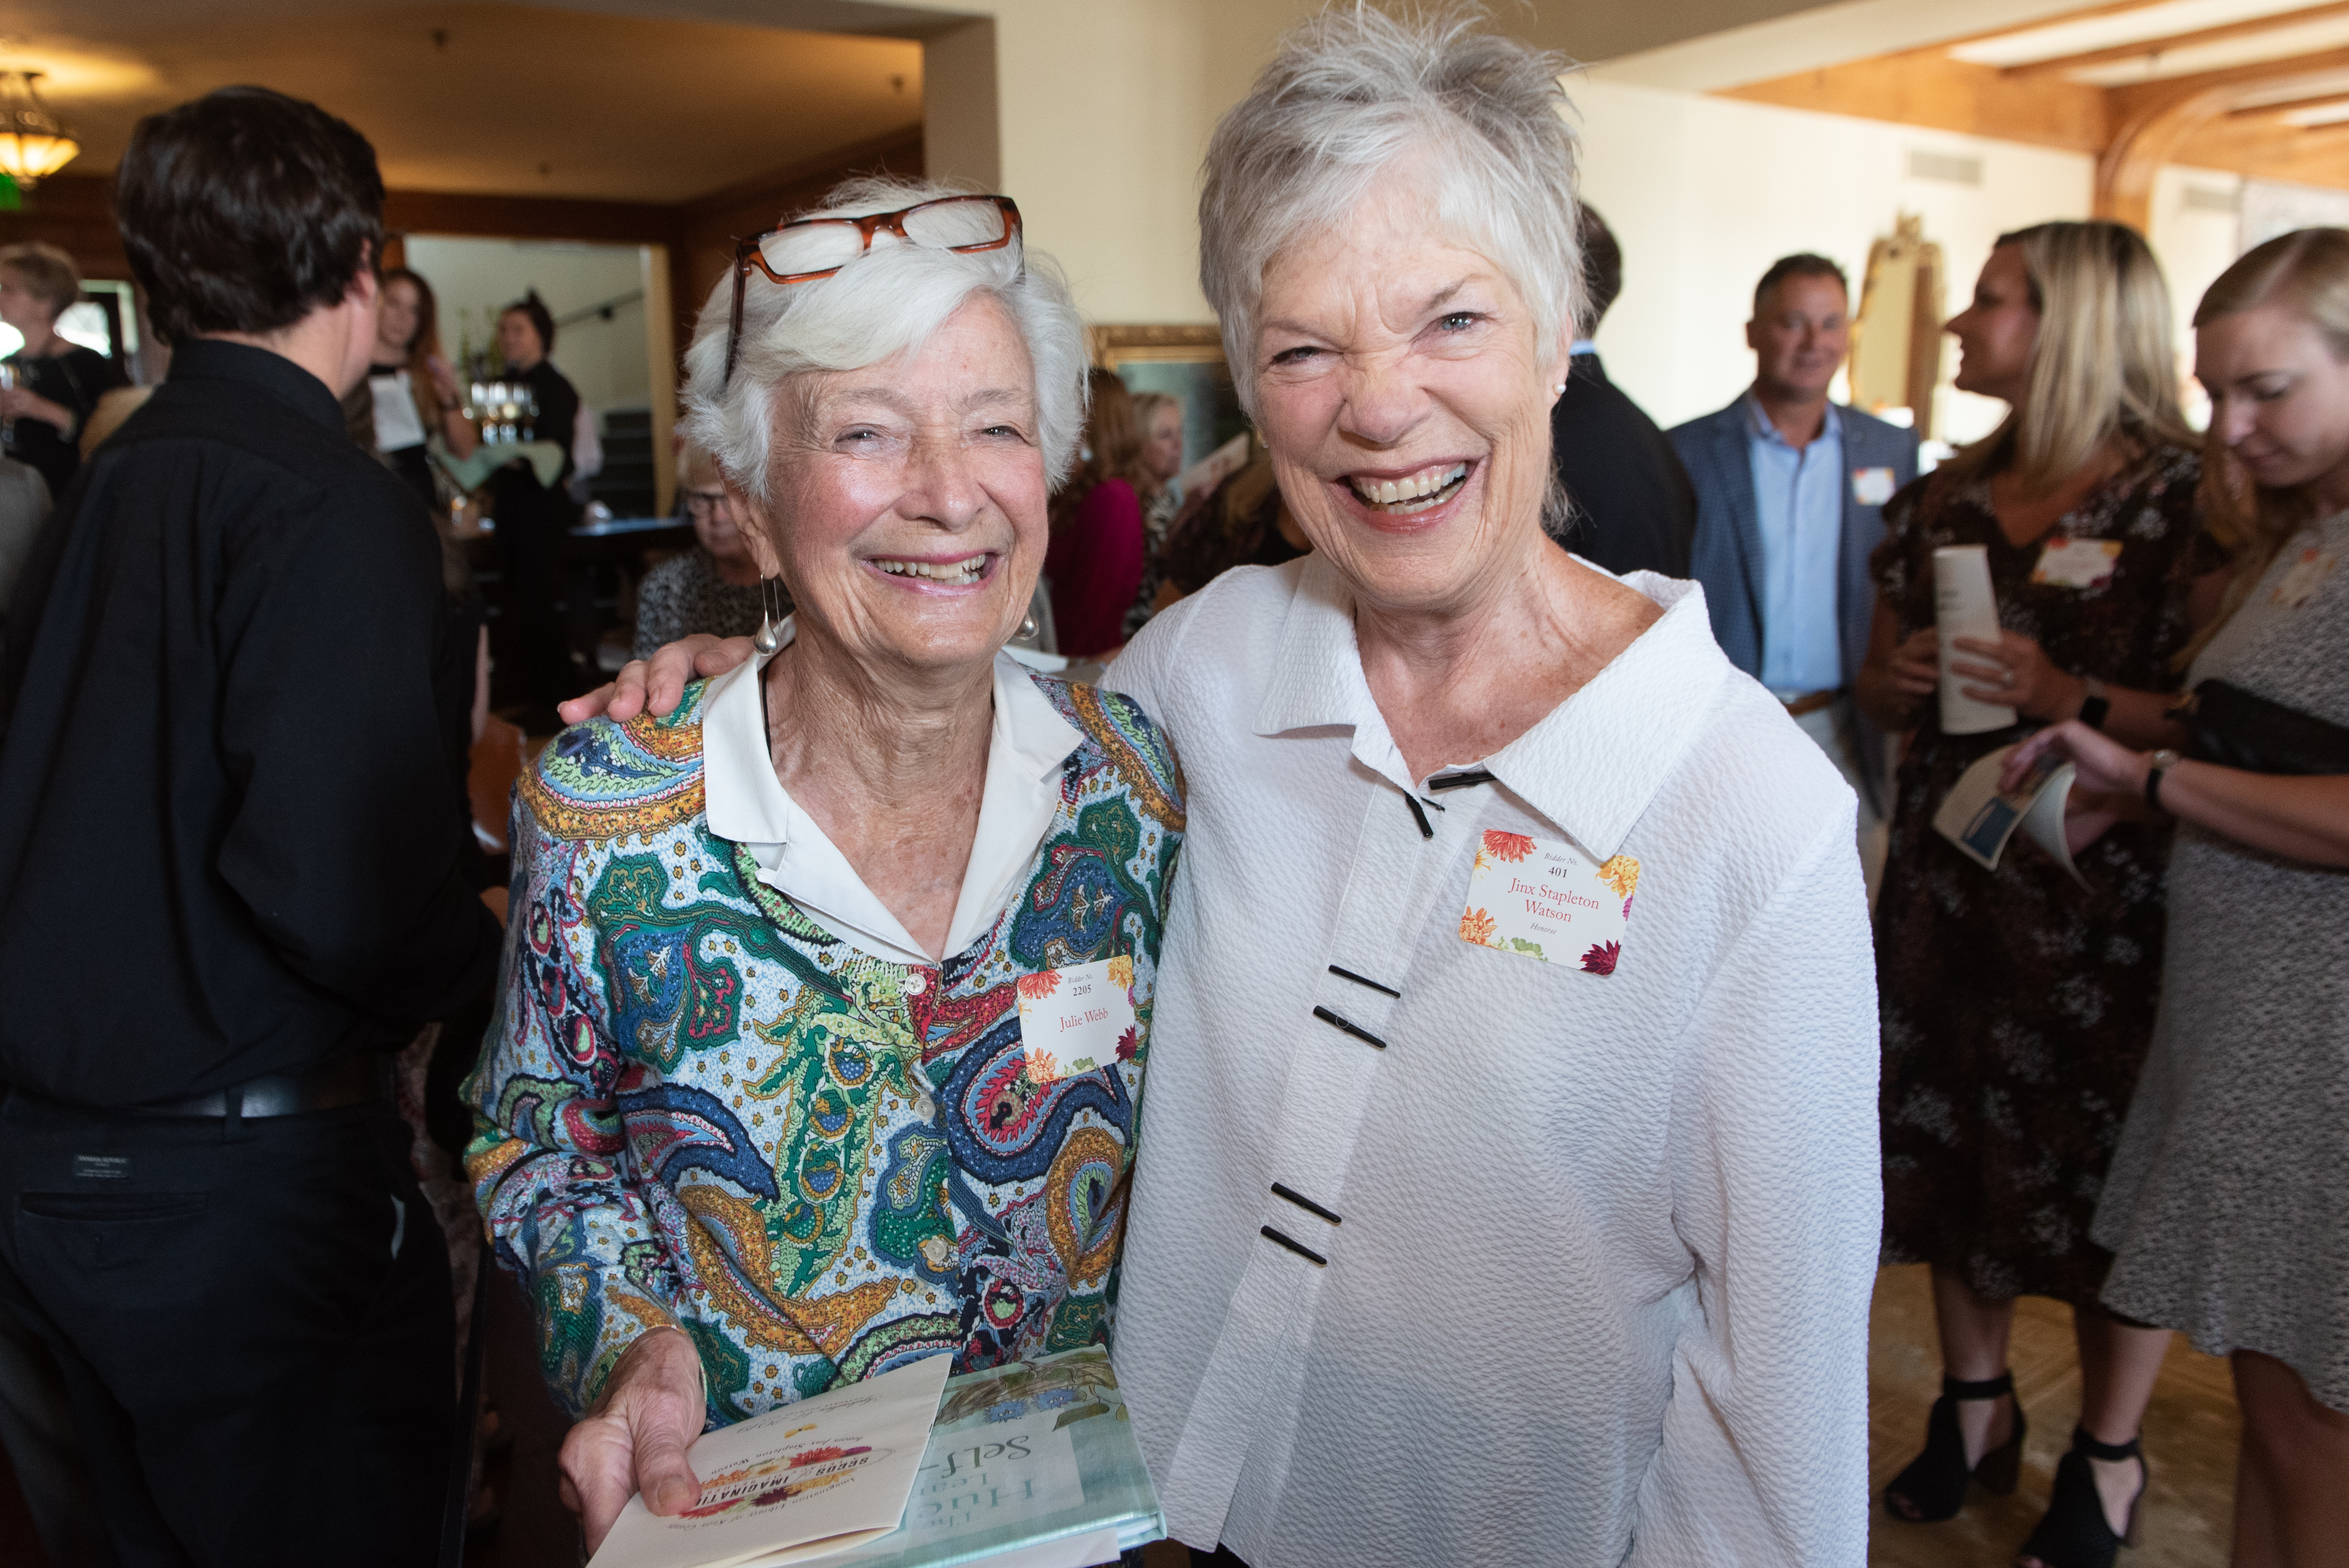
2104, 364
2307, 273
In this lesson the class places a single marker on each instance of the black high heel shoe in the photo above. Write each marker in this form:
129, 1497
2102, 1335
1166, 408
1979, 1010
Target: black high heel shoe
1933, 1487
2074, 1532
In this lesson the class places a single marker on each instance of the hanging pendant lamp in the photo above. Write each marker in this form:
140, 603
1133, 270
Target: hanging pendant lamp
33, 145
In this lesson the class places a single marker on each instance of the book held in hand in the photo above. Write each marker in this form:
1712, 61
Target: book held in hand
1028, 1465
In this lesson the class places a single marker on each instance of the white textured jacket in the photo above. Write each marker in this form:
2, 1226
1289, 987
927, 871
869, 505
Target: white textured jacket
1590, 1253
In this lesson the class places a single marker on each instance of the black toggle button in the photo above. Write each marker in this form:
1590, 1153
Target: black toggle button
1356, 1030
1425, 831
1364, 980
1474, 775
1305, 1203
1302, 1251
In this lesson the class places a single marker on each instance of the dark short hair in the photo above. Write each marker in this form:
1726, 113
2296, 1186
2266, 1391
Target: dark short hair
530, 306
48, 270
245, 210
1603, 264
1802, 265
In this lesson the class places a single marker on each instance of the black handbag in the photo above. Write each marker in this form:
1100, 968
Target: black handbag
2236, 728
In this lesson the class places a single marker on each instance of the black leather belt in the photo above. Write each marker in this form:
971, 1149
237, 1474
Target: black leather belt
352, 1080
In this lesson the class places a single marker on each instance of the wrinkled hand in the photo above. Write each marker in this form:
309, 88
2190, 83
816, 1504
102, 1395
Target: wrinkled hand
2015, 673
657, 688
2107, 778
635, 1439
1916, 664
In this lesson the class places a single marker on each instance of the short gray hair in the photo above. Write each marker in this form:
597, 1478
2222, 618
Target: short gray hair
1349, 93
885, 302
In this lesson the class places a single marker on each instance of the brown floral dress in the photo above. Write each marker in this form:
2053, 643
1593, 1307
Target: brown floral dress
2017, 1005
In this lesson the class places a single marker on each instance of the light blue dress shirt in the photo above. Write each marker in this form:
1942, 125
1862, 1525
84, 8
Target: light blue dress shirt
1798, 501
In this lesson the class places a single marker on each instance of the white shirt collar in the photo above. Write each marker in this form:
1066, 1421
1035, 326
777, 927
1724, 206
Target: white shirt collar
1658, 688
748, 805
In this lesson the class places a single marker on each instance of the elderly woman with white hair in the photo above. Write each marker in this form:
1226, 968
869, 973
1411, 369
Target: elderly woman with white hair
756, 1114
1512, 1191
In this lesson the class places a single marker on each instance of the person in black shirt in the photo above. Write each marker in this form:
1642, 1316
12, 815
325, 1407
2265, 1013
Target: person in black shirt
1634, 508
228, 885
534, 523
58, 383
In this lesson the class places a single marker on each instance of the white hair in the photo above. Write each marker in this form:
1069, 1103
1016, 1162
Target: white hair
1351, 94
885, 303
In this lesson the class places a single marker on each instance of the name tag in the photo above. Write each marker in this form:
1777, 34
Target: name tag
1548, 900
2307, 576
1079, 1019
2078, 562
1871, 487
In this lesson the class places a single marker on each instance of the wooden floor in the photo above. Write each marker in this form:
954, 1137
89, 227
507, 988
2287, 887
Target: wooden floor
2189, 1440
2189, 1437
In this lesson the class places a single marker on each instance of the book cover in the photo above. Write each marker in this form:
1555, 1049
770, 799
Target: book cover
1033, 1463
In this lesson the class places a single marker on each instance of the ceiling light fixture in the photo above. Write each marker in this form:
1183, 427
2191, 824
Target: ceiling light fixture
33, 145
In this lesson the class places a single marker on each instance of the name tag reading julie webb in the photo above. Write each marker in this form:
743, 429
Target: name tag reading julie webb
1548, 900
1078, 1019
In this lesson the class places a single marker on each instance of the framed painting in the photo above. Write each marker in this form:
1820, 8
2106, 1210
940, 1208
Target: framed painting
1187, 363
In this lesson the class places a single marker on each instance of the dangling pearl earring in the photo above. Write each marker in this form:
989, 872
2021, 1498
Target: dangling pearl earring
770, 625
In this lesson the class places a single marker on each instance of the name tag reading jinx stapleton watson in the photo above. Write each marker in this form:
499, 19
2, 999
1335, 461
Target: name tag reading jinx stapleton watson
1548, 900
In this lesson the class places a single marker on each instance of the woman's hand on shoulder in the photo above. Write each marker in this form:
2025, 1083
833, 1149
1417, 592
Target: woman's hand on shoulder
636, 1437
657, 686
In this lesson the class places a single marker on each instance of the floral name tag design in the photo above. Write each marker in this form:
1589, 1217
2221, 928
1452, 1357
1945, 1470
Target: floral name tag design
1548, 900
2077, 562
1871, 487
2306, 575
1079, 1019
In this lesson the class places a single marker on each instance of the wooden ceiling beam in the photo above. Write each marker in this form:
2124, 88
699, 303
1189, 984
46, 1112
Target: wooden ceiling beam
2059, 64
2085, 14
2139, 97
2287, 106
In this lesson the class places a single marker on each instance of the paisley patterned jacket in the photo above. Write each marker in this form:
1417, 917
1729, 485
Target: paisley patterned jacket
696, 1106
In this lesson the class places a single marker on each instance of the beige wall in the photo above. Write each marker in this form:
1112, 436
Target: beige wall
1105, 109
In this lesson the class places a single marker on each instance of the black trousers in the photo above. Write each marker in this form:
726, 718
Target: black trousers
253, 1324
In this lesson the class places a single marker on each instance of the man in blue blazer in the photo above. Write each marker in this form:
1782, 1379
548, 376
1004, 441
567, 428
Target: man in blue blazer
1790, 498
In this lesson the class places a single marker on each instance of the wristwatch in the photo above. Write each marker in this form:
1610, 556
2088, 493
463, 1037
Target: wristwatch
2096, 704
2163, 761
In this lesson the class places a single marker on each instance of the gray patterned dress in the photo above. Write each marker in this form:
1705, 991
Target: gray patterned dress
2228, 1199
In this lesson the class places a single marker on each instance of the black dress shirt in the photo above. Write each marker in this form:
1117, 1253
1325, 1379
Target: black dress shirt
226, 843
1634, 507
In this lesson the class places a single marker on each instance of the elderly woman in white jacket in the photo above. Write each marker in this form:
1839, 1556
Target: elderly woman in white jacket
1510, 1193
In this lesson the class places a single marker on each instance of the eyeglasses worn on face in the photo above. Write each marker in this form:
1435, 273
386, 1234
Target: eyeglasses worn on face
806, 249
701, 504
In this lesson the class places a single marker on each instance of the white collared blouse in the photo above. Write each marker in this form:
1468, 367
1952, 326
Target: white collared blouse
1445, 1254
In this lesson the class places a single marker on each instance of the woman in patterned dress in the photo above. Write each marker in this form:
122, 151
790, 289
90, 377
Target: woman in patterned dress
2017, 1005
2229, 1191
757, 1114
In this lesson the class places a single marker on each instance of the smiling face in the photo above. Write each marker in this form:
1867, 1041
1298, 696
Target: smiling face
907, 512
1405, 403
1800, 336
2278, 398
1163, 442
398, 309
1998, 333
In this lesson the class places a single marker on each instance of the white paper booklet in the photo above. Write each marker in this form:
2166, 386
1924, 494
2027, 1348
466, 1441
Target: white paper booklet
825, 1475
1980, 820
1965, 605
